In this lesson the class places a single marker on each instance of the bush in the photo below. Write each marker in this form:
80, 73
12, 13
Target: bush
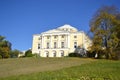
116, 55
28, 53
14, 53
90, 54
72, 55
0, 57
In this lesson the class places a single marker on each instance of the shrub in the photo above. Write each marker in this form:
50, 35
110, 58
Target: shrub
90, 54
0, 57
72, 55
28, 53
116, 55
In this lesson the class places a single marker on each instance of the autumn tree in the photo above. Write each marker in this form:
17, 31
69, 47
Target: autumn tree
5, 47
104, 26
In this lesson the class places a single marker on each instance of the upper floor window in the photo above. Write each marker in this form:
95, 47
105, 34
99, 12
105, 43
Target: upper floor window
63, 36
48, 37
48, 45
55, 44
62, 45
39, 38
38, 46
55, 36
75, 36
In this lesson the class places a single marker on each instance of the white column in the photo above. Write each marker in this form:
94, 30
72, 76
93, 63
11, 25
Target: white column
68, 41
58, 42
50, 41
42, 42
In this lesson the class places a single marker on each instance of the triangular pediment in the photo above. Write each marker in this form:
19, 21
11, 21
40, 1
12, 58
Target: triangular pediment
54, 31
67, 27
62, 29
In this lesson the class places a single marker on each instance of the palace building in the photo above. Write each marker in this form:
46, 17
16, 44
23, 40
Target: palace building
59, 42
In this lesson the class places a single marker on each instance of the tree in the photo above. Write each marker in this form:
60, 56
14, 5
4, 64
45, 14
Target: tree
103, 25
5, 47
28, 53
14, 53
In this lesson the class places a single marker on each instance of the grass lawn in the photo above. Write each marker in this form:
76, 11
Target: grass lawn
59, 69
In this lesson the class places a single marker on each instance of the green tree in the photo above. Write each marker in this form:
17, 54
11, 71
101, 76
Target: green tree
5, 47
103, 25
28, 53
14, 53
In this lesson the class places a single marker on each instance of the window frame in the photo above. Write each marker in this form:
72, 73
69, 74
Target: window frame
48, 45
39, 46
62, 44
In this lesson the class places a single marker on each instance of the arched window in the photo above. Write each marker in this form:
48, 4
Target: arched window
54, 53
62, 53
47, 54
75, 44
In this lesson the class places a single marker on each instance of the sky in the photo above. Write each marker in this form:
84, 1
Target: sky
21, 19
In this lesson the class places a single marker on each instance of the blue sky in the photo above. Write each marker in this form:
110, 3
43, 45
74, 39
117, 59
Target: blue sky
20, 19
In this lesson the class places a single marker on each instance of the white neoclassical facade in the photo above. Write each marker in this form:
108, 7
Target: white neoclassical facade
59, 42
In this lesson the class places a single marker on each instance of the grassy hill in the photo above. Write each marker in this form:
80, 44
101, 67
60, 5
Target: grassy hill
59, 69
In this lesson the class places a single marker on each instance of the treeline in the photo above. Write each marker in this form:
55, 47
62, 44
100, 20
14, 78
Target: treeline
7, 52
5, 49
105, 28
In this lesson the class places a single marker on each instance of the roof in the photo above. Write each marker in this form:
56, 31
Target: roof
62, 29
67, 27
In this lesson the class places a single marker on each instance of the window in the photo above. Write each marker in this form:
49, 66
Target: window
75, 36
55, 36
54, 54
75, 44
63, 36
48, 44
39, 38
62, 44
48, 37
38, 46
62, 53
47, 54
55, 44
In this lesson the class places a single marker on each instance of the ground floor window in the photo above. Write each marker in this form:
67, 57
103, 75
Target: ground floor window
75, 44
47, 54
62, 53
54, 53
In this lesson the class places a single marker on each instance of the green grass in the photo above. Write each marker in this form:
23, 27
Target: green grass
62, 69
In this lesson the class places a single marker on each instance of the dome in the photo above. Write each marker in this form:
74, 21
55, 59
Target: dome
67, 27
